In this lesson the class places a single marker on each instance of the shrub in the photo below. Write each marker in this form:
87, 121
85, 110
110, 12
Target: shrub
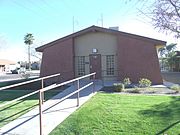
144, 82
25, 76
175, 87
119, 87
135, 90
126, 82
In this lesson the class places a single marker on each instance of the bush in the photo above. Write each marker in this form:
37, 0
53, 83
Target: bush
144, 82
126, 82
134, 90
25, 76
175, 87
119, 87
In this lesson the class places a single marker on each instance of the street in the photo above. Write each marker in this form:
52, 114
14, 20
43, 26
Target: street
8, 77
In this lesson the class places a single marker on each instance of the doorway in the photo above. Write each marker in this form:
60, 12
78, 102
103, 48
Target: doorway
95, 65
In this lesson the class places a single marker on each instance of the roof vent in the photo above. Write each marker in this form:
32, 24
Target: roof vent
114, 28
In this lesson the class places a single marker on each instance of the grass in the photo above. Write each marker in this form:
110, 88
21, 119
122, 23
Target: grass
13, 111
6, 83
115, 114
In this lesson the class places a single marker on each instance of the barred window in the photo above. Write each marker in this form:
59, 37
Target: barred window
110, 64
81, 65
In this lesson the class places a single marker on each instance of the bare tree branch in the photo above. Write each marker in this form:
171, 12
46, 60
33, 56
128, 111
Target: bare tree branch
165, 16
175, 6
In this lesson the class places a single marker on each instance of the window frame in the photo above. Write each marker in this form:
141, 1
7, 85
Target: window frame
80, 65
110, 65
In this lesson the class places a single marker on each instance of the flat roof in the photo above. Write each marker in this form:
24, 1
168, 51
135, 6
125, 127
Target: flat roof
6, 62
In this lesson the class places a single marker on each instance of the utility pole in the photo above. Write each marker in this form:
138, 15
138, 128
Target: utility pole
102, 20
29, 58
73, 24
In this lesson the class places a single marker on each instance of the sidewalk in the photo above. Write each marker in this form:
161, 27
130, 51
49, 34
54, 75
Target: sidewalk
54, 113
168, 84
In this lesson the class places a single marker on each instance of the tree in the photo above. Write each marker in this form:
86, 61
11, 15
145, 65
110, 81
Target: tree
36, 54
28, 40
168, 55
165, 15
167, 50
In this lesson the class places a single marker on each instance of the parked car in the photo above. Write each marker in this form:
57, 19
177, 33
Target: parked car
15, 71
18, 71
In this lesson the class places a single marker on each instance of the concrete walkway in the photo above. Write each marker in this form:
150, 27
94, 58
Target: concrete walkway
54, 113
169, 84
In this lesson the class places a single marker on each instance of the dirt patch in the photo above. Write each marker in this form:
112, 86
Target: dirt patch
150, 90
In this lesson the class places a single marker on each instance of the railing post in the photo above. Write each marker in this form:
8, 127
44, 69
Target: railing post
103, 74
40, 112
78, 93
42, 86
93, 83
103, 81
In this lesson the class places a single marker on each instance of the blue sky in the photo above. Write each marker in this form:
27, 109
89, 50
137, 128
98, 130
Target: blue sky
49, 20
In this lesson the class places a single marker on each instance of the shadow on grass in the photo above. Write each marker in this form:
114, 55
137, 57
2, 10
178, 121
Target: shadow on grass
166, 113
167, 128
31, 86
108, 89
9, 118
11, 105
8, 95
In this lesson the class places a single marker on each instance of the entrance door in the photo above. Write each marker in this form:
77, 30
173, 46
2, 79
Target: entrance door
95, 64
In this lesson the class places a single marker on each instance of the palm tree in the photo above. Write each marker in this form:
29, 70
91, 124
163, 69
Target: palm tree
28, 40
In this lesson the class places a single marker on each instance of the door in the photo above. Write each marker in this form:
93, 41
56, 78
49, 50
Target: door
95, 65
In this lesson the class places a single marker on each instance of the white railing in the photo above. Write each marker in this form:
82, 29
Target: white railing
69, 95
42, 90
27, 82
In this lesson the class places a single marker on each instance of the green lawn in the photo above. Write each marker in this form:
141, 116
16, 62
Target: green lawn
115, 114
13, 111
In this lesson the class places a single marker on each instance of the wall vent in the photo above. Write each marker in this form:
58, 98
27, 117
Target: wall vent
114, 28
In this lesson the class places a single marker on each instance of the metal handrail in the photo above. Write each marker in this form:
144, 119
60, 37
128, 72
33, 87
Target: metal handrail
42, 90
64, 83
78, 90
61, 84
16, 99
26, 82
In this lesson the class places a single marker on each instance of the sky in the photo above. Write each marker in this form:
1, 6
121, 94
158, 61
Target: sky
49, 20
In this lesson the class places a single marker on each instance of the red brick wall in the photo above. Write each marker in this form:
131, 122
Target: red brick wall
138, 58
59, 59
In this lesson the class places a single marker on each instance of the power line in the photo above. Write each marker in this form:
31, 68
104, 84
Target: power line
129, 9
41, 9
49, 6
33, 11
29, 9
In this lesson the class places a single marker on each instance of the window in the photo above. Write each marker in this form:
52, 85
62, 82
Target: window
81, 65
110, 64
